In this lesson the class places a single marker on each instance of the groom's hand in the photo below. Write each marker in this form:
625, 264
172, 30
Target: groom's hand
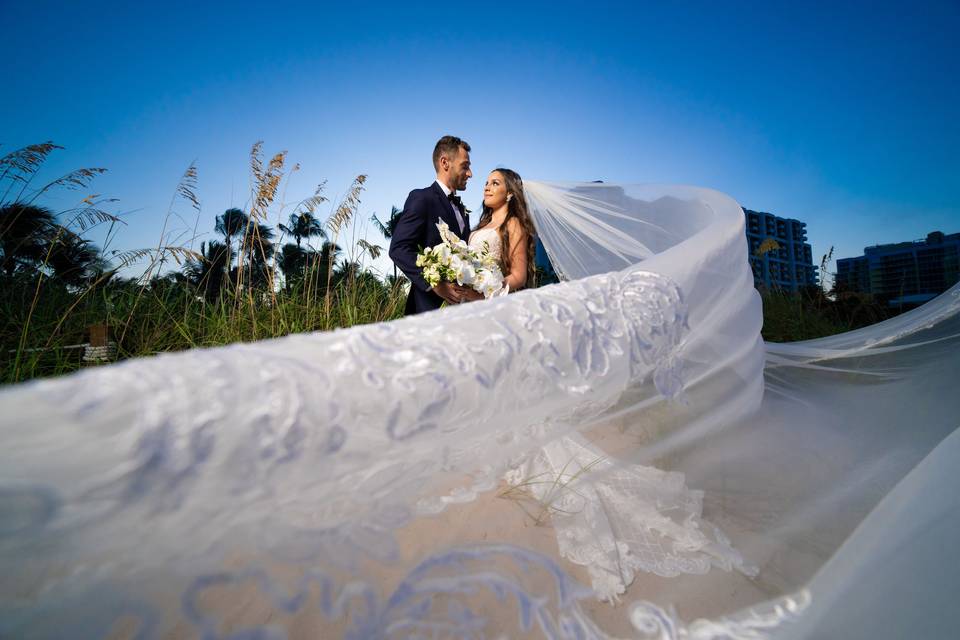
448, 292
469, 295
466, 294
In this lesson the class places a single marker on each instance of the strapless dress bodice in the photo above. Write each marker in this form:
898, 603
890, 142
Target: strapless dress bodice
488, 235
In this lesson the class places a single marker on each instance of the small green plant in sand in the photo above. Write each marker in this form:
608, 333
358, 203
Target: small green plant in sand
524, 493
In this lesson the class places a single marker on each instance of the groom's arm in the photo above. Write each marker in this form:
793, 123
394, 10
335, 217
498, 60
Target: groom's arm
407, 236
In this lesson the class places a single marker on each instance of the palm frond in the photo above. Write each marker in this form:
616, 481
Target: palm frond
382, 228
232, 222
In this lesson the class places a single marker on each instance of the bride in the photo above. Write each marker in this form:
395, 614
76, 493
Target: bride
615, 520
505, 222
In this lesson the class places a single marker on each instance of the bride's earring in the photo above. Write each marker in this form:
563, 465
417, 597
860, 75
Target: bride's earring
509, 197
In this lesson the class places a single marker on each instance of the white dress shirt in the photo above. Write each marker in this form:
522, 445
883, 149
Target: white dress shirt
456, 210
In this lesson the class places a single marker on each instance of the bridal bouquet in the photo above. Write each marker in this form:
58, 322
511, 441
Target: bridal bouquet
453, 261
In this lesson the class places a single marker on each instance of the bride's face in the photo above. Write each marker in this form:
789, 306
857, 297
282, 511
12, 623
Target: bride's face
495, 191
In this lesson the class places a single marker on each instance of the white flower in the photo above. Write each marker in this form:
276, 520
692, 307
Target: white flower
454, 261
487, 283
432, 275
442, 253
467, 274
446, 235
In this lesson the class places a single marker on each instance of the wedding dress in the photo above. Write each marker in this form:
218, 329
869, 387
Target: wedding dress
616, 521
486, 238
350, 483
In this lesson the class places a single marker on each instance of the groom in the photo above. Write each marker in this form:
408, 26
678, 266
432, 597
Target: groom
416, 228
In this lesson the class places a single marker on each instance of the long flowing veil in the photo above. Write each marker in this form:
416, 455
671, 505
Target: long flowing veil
616, 455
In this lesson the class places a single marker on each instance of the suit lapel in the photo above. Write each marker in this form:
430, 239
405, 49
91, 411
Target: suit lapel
446, 209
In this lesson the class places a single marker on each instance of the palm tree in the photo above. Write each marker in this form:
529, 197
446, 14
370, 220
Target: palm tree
25, 233
209, 274
387, 229
303, 225
259, 249
292, 261
30, 238
350, 276
396, 282
317, 263
231, 223
73, 259
347, 271
329, 251
170, 283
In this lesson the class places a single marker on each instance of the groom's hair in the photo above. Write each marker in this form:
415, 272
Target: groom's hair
448, 146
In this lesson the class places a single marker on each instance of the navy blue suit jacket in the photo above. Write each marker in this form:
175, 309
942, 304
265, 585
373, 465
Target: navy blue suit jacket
417, 229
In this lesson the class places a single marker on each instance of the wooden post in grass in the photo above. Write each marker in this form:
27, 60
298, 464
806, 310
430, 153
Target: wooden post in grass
99, 334
99, 349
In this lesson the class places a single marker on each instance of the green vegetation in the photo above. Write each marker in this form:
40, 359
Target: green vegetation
811, 313
254, 281
57, 287
808, 314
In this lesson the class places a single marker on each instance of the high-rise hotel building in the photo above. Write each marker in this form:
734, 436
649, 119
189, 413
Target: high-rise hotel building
904, 273
780, 256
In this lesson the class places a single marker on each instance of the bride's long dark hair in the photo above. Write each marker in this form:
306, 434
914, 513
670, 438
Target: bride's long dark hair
516, 208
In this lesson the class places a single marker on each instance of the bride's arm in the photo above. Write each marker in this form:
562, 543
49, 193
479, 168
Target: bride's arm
517, 278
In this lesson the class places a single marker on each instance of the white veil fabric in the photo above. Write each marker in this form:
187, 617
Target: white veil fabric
616, 455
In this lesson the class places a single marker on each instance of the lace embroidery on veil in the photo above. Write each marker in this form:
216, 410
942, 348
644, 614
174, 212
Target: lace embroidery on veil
616, 520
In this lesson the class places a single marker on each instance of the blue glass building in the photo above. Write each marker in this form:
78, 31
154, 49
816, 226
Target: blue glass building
904, 273
780, 256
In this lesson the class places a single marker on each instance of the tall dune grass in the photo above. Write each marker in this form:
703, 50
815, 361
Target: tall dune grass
45, 321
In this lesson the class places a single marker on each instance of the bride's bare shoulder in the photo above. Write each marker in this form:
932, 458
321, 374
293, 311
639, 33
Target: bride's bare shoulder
514, 227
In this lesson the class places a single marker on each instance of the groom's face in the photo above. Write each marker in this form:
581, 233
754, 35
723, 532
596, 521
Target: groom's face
460, 170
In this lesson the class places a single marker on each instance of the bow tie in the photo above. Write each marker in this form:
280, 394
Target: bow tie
455, 199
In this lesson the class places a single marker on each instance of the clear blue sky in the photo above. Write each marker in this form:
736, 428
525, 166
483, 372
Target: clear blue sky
843, 115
